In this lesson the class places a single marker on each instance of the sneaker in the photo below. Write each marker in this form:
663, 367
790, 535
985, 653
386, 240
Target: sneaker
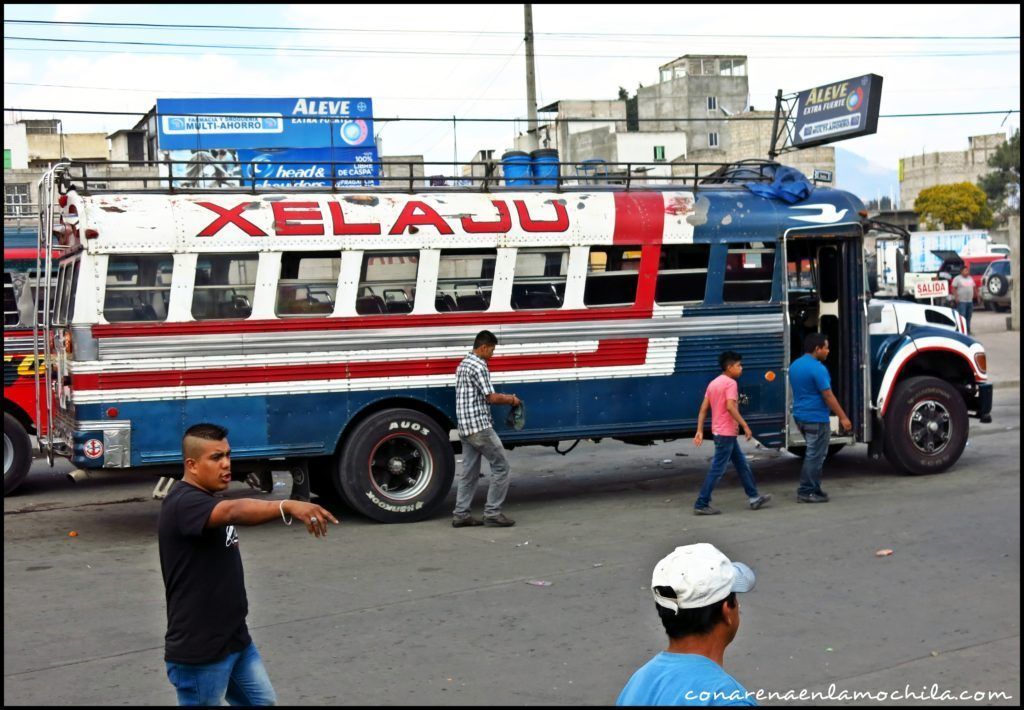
811, 498
760, 501
706, 510
467, 521
822, 493
498, 521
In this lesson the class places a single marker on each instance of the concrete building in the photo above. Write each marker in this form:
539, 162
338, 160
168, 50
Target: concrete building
917, 172
32, 146
698, 112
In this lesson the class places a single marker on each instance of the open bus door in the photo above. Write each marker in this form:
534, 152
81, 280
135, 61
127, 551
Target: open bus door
826, 293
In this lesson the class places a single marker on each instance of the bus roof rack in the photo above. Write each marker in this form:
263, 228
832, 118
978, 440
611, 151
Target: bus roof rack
213, 176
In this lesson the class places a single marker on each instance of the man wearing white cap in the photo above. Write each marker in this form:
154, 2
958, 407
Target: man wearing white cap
695, 595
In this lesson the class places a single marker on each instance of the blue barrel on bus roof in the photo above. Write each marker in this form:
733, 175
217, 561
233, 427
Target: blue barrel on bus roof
545, 166
515, 166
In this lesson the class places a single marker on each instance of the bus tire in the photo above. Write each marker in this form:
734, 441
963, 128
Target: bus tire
17, 454
801, 451
396, 466
926, 426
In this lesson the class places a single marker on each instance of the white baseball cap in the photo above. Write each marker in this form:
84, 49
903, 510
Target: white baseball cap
700, 575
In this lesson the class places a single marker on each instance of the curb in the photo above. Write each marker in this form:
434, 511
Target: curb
1006, 384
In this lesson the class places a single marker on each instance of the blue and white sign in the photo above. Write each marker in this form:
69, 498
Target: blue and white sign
305, 122
301, 167
310, 167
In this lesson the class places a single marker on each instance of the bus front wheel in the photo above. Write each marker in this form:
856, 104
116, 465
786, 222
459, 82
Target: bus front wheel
17, 454
926, 426
396, 466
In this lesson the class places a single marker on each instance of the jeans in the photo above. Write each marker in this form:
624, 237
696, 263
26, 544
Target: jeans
966, 308
817, 435
240, 677
727, 448
487, 444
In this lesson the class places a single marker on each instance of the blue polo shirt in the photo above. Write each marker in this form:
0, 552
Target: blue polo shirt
809, 378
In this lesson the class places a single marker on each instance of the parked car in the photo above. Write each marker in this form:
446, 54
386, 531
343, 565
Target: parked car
953, 262
995, 286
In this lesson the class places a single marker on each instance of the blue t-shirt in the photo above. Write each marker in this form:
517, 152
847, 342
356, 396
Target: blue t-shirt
809, 378
683, 679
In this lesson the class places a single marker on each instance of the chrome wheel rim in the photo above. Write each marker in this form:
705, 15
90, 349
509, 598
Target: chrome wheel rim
8, 453
401, 467
930, 427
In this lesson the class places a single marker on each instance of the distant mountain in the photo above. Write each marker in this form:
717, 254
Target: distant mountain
864, 178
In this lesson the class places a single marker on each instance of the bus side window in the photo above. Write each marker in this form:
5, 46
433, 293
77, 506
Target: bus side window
225, 286
749, 272
612, 276
682, 273
12, 313
540, 278
138, 288
465, 278
387, 282
308, 283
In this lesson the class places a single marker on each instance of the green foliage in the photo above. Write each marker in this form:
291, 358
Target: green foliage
952, 206
1002, 185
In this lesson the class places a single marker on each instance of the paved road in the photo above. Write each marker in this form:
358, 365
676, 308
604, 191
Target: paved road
424, 614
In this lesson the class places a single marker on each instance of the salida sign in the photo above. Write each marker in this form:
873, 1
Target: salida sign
931, 289
834, 112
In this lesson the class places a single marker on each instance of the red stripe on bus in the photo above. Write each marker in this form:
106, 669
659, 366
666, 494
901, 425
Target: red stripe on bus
612, 353
481, 319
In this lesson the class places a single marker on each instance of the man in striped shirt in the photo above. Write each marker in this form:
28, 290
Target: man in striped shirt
473, 396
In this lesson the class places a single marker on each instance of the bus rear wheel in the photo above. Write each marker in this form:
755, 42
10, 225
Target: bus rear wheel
17, 454
396, 466
926, 426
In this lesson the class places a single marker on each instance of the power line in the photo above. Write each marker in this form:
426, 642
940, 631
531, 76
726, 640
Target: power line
304, 51
664, 119
259, 28
151, 90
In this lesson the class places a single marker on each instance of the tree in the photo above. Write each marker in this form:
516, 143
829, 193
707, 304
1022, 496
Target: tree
623, 94
953, 206
1002, 185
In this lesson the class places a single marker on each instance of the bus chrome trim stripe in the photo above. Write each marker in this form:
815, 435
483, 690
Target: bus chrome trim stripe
245, 344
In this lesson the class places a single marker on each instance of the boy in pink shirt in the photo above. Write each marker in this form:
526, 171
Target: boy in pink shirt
721, 397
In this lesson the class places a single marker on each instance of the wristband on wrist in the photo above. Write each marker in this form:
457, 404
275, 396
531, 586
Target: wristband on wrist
288, 520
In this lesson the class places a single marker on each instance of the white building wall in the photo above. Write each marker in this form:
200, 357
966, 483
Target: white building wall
16, 142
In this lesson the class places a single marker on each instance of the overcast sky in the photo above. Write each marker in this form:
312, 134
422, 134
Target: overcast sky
436, 60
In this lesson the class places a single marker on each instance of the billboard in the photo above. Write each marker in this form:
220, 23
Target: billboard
274, 167
835, 112
221, 124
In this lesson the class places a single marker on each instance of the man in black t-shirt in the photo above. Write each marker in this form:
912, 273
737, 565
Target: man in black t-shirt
208, 651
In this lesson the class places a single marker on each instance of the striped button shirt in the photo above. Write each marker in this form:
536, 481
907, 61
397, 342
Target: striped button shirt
472, 385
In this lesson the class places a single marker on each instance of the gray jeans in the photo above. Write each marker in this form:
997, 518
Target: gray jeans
487, 444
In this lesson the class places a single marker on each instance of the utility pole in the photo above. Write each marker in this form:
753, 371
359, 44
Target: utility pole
531, 80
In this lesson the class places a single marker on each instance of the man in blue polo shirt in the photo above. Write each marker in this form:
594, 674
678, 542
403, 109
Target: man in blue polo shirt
812, 403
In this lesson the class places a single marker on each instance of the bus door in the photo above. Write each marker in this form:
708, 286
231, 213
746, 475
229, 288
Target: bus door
825, 294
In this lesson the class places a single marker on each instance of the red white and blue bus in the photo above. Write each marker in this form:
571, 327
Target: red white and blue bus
323, 327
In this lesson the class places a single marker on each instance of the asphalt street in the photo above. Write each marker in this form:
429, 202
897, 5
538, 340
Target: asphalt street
426, 614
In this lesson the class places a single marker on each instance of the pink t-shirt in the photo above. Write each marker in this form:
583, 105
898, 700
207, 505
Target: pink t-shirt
722, 388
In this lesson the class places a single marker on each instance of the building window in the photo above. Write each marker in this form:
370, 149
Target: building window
540, 278
712, 103
659, 152
465, 278
225, 285
682, 273
16, 199
308, 283
713, 139
138, 287
387, 282
749, 272
612, 276
732, 67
